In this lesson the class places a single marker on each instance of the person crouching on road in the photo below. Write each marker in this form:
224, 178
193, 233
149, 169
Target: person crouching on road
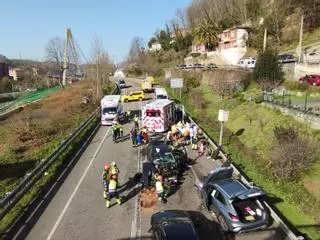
160, 189
106, 179
112, 191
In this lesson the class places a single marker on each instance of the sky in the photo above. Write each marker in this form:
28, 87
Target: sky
27, 25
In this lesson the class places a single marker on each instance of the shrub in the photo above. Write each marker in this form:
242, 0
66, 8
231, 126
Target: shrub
190, 82
268, 72
296, 86
291, 155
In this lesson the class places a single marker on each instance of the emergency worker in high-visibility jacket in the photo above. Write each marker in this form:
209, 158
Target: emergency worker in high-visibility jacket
160, 188
106, 179
113, 191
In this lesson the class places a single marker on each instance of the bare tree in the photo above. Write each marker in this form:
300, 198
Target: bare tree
54, 52
180, 16
102, 67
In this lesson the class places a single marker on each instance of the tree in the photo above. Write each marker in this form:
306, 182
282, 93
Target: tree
6, 85
102, 67
268, 72
291, 155
152, 41
164, 39
207, 33
54, 52
136, 48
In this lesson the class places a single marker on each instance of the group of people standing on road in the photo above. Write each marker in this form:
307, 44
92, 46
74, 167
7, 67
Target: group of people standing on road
182, 134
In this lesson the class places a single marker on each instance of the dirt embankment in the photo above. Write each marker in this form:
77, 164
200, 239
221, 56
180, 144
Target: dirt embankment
28, 136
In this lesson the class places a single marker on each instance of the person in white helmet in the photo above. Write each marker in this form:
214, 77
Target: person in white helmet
114, 170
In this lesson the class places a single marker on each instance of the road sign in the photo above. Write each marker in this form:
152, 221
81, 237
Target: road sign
176, 82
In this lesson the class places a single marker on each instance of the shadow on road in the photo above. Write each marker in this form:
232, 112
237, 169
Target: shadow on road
133, 185
208, 229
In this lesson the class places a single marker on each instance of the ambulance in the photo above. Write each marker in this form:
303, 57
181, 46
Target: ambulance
158, 115
110, 108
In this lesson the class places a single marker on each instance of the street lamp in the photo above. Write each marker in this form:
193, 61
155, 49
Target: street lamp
222, 117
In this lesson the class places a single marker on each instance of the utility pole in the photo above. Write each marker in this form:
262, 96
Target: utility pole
265, 39
300, 39
65, 59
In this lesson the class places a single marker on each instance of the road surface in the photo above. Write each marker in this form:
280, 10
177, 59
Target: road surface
77, 210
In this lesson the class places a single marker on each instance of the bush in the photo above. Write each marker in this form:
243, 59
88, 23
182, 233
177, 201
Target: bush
268, 72
296, 86
190, 82
291, 155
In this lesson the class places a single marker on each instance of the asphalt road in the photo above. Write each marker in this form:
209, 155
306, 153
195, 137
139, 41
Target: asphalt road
77, 211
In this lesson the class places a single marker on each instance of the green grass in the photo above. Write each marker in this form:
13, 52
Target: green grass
250, 152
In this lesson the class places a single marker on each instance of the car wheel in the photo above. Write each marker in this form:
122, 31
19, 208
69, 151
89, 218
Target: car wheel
223, 223
126, 100
140, 99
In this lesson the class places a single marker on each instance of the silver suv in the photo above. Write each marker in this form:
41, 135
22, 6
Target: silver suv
237, 206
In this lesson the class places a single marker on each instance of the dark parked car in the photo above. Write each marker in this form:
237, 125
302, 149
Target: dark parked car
198, 65
286, 58
162, 159
211, 65
312, 79
173, 224
237, 206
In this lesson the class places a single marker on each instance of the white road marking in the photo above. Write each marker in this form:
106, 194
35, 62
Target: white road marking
136, 207
76, 188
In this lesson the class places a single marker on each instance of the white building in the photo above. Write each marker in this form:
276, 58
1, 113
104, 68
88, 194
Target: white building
232, 45
155, 47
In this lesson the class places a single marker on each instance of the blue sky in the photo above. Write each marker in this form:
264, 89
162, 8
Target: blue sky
27, 25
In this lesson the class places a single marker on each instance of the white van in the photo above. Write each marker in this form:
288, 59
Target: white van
161, 93
247, 62
110, 108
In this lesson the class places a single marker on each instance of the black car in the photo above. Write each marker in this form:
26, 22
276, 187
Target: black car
211, 65
286, 58
165, 161
173, 224
198, 65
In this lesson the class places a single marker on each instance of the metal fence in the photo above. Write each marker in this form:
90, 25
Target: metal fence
306, 103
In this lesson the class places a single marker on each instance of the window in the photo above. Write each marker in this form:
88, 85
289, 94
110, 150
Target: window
111, 110
220, 198
153, 113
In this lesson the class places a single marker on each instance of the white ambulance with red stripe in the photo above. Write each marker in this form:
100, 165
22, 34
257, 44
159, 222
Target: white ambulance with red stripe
158, 115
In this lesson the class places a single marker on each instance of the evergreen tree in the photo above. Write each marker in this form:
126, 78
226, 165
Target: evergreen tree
268, 71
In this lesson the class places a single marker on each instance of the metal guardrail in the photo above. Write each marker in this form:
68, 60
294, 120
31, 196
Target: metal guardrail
32, 178
289, 233
13, 198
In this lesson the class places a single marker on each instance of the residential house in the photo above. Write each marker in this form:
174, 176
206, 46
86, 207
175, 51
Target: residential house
232, 44
15, 73
198, 48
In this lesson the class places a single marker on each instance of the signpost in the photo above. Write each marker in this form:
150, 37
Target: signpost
176, 83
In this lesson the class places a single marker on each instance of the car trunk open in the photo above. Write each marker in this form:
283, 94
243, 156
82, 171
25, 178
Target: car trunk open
248, 210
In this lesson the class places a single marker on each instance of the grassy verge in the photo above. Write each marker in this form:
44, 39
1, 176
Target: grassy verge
249, 152
52, 172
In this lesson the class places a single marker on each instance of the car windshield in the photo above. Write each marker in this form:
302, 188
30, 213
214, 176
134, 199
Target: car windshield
179, 231
162, 97
110, 110
159, 155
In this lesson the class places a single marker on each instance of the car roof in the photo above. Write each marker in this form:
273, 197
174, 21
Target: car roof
164, 148
179, 230
231, 187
